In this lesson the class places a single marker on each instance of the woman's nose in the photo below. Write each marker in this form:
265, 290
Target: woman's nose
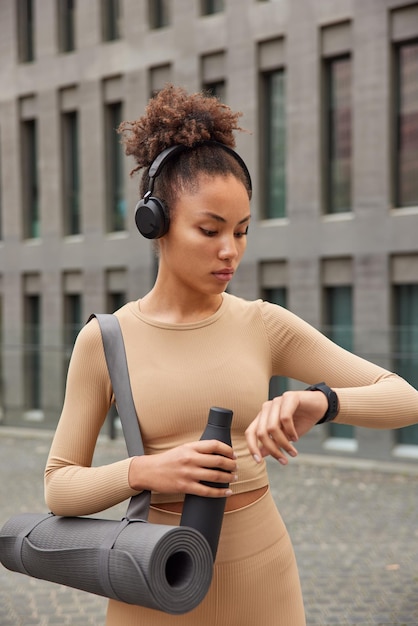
228, 249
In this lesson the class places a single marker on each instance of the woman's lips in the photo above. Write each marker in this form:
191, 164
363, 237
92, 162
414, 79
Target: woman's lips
224, 275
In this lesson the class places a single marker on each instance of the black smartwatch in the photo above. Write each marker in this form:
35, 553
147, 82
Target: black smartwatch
332, 398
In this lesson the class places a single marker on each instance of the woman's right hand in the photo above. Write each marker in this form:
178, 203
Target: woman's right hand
181, 469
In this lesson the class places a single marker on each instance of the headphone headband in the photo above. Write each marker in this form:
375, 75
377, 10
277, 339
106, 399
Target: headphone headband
168, 153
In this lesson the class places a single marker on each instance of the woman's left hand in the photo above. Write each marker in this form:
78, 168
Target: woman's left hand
282, 421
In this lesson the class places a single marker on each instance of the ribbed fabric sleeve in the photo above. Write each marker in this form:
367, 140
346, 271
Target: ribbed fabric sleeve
369, 395
72, 486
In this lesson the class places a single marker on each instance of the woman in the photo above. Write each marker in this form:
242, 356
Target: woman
190, 346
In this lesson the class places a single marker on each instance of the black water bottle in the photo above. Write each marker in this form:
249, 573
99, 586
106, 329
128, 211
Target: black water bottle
206, 514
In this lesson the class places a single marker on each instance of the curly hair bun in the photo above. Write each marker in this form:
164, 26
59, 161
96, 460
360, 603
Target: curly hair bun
175, 117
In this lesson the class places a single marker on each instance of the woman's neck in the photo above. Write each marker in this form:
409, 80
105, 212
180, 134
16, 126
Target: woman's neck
175, 309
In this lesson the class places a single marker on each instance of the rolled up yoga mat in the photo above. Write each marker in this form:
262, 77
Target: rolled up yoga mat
168, 568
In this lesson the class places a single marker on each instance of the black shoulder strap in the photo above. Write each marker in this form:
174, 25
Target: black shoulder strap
114, 349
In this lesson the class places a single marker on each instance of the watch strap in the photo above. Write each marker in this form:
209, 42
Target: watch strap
333, 404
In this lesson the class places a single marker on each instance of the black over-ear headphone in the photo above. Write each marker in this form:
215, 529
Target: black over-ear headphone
151, 216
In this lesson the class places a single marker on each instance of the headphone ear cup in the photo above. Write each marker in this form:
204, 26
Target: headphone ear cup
151, 218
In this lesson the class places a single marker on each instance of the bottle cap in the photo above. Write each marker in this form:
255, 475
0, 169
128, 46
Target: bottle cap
220, 417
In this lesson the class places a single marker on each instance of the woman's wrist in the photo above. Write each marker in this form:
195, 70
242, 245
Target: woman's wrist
136, 473
332, 400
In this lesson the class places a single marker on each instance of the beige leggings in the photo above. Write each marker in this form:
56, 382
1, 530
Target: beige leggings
255, 577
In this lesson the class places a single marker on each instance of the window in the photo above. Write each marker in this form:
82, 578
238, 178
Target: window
159, 13
406, 110
277, 295
66, 25
158, 77
1, 198
32, 351
111, 20
72, 318
339, 328
278, 384
338, 315
213, 71
337, 77
115, 300
273, 121
72, 323
208, 7
406, 345
26, 30
115, 162
71, 173
29, 142
2, 360
216, 89
116, 288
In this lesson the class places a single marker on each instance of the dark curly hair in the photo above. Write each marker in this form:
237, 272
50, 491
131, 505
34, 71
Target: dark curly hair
175, 117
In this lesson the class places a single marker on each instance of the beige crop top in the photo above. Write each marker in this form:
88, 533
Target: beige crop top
178, 371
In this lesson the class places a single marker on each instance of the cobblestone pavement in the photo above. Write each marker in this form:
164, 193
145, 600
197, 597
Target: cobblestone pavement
354, 527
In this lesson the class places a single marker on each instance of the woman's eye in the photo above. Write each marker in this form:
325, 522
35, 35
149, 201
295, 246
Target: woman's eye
239, 235
213, 233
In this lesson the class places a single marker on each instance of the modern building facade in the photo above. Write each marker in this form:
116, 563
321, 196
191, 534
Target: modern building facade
329, 93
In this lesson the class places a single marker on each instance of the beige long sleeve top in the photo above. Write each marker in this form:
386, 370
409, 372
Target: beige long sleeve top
178, 371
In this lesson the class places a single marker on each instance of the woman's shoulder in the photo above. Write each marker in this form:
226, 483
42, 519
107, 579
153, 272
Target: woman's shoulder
90, 336
257, 307
276, 320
